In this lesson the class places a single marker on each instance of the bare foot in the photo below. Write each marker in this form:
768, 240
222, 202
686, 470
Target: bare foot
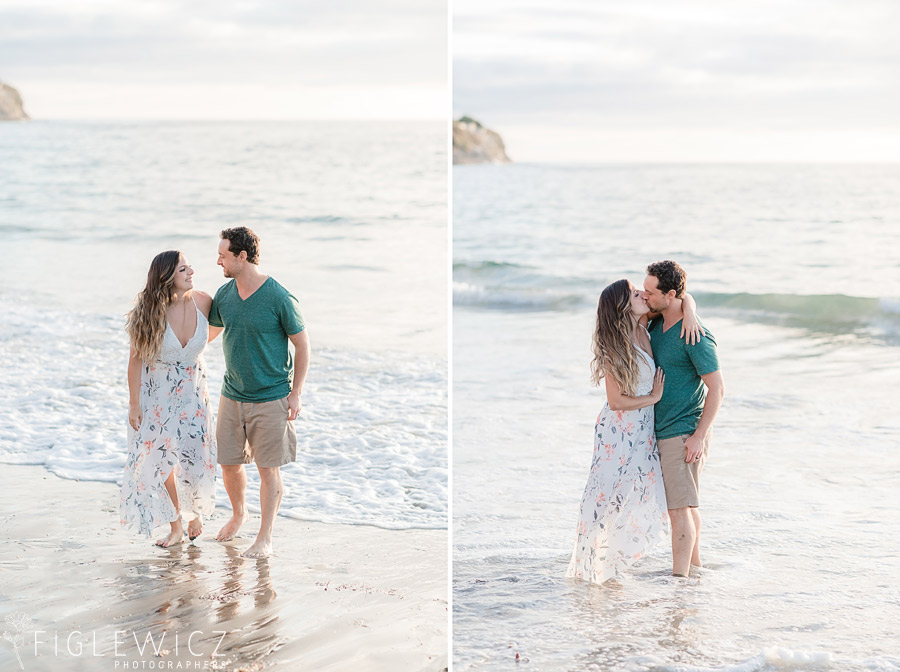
261, 548
195, 528
176, 536
614, 583
231, 527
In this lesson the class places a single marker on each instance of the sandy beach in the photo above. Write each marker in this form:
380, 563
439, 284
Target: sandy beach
332, 597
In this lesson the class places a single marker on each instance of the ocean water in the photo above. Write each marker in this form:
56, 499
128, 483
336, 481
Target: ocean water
352, 219
796, 270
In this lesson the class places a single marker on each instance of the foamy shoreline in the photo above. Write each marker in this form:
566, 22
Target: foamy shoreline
103, 598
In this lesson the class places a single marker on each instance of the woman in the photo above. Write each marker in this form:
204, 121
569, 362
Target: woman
171, 465
623, 510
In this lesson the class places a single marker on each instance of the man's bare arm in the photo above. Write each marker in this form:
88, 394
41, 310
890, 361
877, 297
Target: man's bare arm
301, 366
714, 394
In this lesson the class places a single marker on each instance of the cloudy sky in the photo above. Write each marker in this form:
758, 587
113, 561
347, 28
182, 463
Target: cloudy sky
226, 59
693, 80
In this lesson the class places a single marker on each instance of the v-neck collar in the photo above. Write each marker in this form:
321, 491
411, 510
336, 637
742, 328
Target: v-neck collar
663, 325
254, 293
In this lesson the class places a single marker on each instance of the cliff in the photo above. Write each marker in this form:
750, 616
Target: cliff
473, 143
11, 104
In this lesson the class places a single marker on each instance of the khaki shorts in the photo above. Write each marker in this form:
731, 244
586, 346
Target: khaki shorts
680, 479
255, 432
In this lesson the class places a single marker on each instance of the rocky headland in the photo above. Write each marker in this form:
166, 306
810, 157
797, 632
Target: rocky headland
11, 108
473, 143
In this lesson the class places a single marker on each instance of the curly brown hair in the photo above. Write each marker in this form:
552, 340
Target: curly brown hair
241, 239
146, 322
615, 354
670, 276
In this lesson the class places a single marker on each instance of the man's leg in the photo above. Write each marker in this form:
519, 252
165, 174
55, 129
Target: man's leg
232, 448
684, 538
695, 554
235, 479
695, 510
270, 491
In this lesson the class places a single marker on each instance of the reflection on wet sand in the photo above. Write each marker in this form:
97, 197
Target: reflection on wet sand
203, 600
100, 598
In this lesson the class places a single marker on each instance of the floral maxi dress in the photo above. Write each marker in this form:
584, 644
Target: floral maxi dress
174, 434
623, 510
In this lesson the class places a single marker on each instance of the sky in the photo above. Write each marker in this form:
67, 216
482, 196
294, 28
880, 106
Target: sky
693, 80
205, 59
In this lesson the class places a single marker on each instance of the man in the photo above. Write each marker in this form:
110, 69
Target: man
262, 386
684, 416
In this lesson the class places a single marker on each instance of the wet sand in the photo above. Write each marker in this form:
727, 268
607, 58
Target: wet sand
332, 597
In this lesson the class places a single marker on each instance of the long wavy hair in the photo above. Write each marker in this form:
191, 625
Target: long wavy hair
146, 322
614, 351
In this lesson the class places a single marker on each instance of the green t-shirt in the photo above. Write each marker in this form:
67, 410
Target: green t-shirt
679, 410
258, 363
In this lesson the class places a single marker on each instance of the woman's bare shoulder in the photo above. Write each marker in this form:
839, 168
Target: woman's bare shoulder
204, 302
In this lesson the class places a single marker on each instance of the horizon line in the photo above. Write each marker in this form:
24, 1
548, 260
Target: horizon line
688, 162
226, 120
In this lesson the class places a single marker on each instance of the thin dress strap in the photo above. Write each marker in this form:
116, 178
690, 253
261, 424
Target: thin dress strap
648, 355
199, 312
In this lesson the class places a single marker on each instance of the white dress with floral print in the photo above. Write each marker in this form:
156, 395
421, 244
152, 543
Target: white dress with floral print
623, 511
175, 433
